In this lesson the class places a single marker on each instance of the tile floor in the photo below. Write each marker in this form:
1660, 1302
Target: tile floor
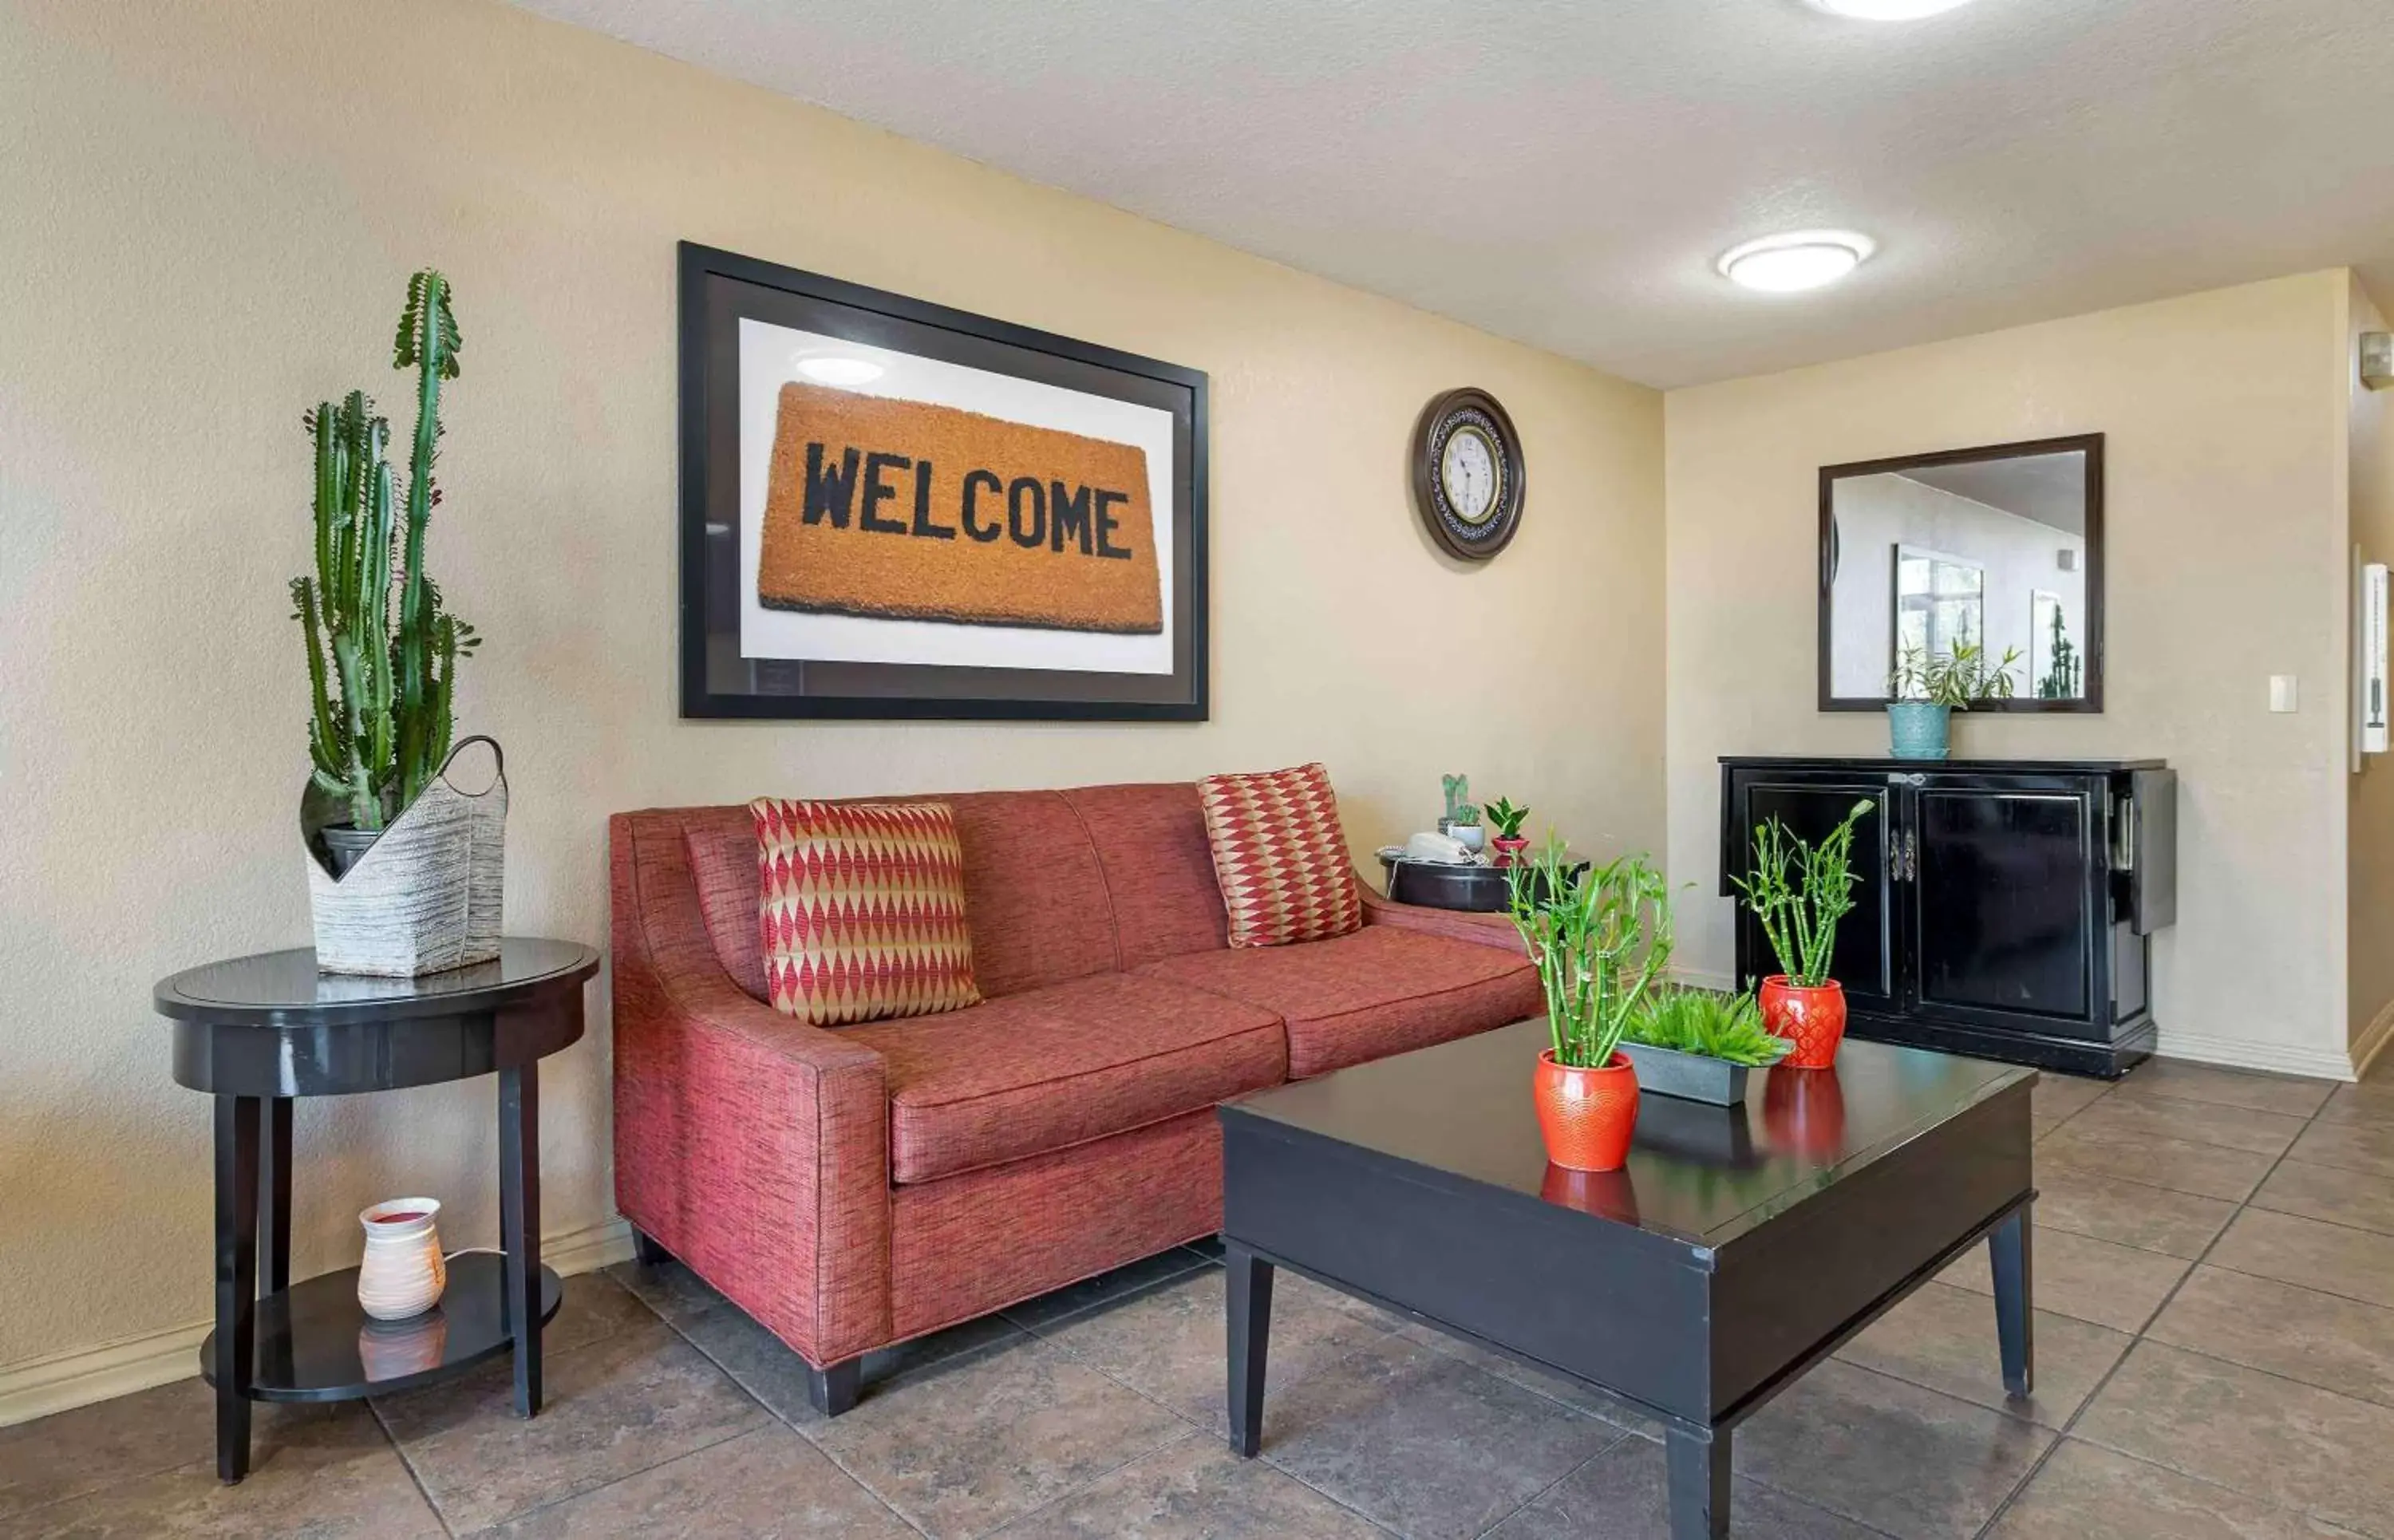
2216, 1355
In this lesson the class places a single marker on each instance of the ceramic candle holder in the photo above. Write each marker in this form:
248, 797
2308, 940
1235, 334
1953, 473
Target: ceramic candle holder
403, 1272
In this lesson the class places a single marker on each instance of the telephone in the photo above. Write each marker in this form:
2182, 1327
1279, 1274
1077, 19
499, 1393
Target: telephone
1439, 848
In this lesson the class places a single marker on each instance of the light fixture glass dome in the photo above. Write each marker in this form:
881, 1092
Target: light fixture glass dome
1885, 10
1800, 259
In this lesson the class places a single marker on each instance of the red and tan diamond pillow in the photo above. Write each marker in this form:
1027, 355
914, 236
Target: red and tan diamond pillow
863, 909
1280, 856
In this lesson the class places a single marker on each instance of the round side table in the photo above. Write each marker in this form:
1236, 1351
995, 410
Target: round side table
257, 1032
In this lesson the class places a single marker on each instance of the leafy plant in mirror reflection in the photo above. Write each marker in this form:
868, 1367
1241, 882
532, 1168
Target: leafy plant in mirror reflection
1960, 676
1599, 940
1727, 1027
2061, 675
1798, 891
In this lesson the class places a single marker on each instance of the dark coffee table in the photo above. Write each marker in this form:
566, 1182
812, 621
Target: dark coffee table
1741, 1246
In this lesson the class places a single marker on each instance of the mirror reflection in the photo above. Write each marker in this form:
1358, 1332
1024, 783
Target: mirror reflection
1992, 551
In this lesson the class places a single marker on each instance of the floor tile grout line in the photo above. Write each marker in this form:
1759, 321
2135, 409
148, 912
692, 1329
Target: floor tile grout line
770, 1412
2069, 1427
415, 1476
1538, 1497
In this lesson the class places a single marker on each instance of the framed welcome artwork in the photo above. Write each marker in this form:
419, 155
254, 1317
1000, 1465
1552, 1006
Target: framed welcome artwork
894, 510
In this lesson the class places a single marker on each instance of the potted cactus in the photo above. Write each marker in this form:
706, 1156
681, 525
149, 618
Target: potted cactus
1599, 937
1506, 819
1461, 821
382, 652
1797, 892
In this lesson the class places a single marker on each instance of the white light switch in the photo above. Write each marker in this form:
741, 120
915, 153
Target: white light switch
2282, 692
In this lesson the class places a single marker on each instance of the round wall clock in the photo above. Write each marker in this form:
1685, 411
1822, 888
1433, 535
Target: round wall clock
1468, 473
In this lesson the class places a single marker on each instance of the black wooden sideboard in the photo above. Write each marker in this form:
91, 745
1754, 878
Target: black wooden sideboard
2005, 907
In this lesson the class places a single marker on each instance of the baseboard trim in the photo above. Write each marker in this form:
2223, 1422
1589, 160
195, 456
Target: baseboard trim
2236, 1053
2372, 1040
62, 1382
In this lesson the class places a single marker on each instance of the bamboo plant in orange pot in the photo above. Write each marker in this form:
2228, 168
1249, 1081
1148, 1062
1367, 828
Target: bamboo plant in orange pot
1798, 891
1599, 940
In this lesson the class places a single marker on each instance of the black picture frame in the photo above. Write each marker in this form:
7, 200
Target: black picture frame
2089, 444
717, 289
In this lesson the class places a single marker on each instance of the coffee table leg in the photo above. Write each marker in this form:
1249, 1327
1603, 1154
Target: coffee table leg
1698, 1466
2012, 1248
1250, 1280
237, 1181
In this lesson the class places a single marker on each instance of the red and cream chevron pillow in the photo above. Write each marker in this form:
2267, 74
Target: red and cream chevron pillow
863, 909
1280, 856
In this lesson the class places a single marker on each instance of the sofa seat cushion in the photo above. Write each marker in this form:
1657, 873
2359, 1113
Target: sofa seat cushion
1053, 1067
1380, 991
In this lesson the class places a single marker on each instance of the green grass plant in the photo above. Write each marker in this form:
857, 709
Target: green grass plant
1727, 1027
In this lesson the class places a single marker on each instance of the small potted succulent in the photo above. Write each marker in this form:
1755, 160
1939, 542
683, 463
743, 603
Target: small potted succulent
1699, 1044
1461, 821
1599, 939
1925, 690
1798, 892
1506, 819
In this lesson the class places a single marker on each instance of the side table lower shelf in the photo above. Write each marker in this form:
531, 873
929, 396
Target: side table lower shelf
315, 1343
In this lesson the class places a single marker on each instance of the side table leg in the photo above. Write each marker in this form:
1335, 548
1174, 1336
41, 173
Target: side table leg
274, 1197
236, 1344
1250, 1282
2012, 1248
519, 1223
1697, 1466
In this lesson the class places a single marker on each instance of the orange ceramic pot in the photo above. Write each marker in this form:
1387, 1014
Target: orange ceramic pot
1813, 1019
1586, 1115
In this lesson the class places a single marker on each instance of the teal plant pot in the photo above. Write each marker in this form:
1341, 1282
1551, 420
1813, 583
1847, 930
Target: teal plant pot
1919, 731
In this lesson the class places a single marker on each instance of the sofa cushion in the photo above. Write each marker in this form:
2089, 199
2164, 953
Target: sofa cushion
1380, 991
1035, 896
1054, 1066
1151, 841
862, 910
1282, 856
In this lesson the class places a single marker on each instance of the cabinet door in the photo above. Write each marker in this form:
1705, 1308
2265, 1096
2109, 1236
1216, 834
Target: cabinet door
1810, 803
2003, 897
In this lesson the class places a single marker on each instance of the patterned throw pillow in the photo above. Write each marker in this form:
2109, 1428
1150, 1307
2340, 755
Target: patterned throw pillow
863, 909
1280, 856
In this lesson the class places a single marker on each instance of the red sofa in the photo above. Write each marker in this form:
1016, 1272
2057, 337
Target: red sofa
851, 1188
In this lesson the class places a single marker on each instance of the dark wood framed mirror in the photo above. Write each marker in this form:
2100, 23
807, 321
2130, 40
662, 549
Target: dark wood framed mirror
1999, 548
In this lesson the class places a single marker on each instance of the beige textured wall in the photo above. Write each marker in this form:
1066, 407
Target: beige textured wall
2225, 552
2370, 907
211, 212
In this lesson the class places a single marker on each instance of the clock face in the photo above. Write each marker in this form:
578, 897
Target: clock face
1468, 474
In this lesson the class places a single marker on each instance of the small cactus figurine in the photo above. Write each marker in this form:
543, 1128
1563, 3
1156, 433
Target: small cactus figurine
1458, 801
379, 684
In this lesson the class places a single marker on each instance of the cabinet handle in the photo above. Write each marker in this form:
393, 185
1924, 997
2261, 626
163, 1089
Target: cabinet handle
1907, 858
1898, 777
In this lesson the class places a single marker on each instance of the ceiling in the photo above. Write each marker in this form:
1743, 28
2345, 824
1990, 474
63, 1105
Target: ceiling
2050, 489
1564, 171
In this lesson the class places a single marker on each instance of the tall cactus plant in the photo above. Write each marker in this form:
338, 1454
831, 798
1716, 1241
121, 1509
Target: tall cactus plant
380, 683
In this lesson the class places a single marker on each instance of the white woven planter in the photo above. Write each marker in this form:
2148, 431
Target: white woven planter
425, 897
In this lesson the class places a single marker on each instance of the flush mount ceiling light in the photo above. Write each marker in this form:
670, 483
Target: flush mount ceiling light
1885, 10
837, 369
1800, 259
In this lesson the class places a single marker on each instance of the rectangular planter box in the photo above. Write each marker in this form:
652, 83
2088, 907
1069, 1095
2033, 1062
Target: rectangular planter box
1666, 1071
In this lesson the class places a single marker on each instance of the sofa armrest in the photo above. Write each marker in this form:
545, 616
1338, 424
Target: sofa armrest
1458, 924
753, 1147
